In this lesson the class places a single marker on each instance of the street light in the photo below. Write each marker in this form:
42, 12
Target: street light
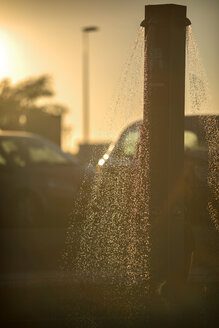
85, 100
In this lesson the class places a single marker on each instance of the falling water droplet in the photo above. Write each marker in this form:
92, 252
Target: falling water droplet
200, 104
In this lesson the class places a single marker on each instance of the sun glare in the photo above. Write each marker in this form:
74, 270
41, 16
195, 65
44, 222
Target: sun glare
4, 55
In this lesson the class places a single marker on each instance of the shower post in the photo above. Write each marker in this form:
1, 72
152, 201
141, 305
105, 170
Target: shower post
165, 37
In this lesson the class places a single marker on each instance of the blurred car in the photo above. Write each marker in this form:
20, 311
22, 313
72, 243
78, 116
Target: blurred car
39, 182
203, 236
124, 149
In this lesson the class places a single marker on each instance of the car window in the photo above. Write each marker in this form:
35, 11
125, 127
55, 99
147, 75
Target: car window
13, 150
41, 153
127, 145
191, 141
3, 161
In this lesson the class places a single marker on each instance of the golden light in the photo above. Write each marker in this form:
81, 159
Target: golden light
5, 55
106, 156
101, 162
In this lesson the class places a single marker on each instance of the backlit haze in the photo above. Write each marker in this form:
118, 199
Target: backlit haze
45, 36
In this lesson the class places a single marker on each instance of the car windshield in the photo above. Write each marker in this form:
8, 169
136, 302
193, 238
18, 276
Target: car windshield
39, 152
127, 144
22, 151
12, 151
3, 160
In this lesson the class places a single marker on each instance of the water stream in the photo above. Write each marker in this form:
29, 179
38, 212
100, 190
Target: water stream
110, 246
199, 103
114, 236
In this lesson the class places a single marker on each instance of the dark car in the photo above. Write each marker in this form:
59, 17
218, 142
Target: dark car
203, 237
40, 186
39, 182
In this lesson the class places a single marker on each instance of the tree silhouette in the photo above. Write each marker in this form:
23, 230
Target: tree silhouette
25, 97
32, 89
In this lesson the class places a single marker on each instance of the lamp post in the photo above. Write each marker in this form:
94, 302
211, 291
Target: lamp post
85, 96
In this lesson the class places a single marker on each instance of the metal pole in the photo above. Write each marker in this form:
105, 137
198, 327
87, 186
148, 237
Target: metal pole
165, 35
86, 95
85, 87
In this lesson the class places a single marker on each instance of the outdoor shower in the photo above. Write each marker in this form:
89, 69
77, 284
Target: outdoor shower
164, 99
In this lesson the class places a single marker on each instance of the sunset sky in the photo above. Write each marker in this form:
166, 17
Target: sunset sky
44, 36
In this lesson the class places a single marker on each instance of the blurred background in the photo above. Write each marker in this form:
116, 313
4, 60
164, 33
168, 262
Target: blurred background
63, 67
